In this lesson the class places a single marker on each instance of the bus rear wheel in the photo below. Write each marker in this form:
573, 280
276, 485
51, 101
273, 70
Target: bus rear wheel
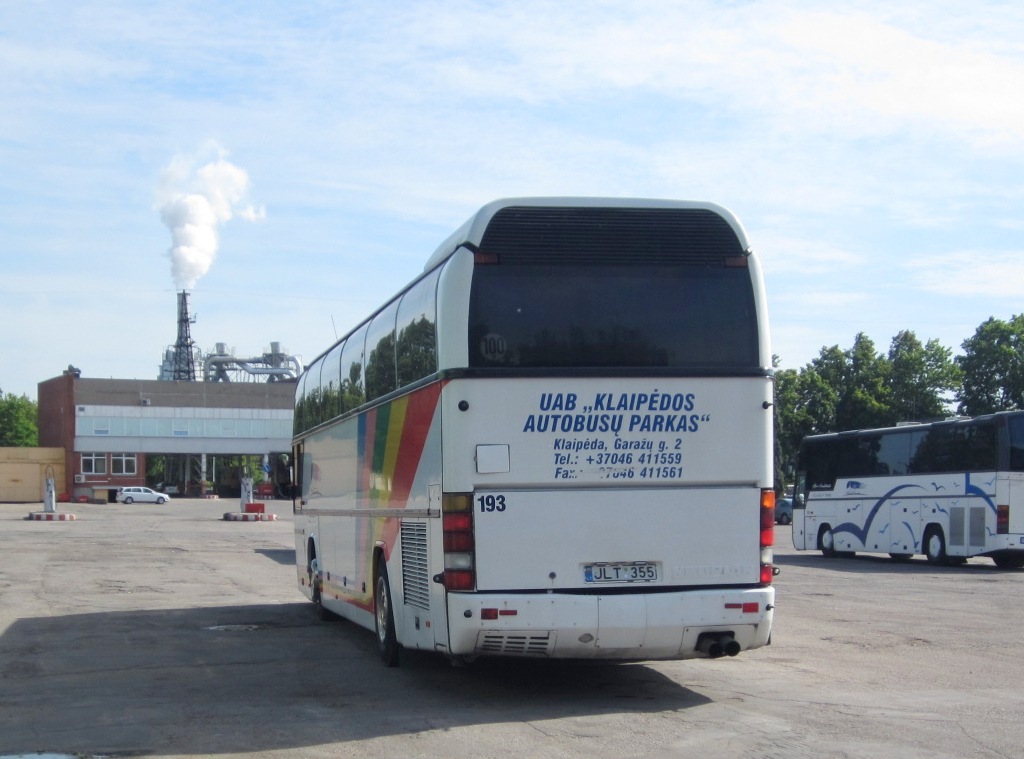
387, 640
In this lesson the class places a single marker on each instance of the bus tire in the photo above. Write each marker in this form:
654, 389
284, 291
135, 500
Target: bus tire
826, 542
384, 616
935, 547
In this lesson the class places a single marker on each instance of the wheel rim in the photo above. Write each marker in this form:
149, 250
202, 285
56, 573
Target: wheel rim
827, 541
381, 602
935, 547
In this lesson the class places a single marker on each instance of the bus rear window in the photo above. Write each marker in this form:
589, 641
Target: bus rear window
612, 315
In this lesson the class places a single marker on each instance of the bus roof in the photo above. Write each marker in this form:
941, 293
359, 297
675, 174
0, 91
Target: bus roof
473, 230
912, 426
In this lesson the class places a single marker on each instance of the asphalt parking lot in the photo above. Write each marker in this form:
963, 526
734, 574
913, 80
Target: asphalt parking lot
148, 630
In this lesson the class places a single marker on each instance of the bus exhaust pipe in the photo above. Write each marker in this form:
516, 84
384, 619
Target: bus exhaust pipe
717, 645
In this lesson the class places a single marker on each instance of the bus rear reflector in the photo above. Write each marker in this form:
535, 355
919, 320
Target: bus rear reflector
1003, 519
747, 607
491, 613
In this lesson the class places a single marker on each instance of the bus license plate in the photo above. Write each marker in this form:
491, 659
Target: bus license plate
633, 571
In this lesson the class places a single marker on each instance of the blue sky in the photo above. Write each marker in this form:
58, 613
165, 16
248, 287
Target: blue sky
873, 151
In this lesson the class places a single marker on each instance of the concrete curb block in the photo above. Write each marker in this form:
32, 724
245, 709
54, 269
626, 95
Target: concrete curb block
50, 516
238, 516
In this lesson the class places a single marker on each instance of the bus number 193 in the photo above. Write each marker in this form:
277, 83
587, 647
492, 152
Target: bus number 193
491, 502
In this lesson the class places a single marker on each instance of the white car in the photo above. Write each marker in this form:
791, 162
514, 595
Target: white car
142, 495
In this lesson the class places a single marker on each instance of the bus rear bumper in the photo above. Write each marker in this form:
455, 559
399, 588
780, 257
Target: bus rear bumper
674, 625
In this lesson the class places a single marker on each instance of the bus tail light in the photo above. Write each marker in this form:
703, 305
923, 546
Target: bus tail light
767, 535
1003, 519
459, 544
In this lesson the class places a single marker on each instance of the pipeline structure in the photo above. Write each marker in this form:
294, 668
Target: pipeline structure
222, 365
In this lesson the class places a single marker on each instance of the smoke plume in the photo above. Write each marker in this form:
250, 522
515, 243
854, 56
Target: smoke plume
194, 198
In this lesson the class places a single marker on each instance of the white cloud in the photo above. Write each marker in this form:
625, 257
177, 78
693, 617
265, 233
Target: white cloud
970, 273
784, 255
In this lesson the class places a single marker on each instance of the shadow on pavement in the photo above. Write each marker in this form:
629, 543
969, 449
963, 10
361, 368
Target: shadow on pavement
236, 679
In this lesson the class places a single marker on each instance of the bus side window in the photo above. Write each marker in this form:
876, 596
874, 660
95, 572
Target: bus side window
313, 414
302, 418
380, 354
330, 384
353, 393
416, 332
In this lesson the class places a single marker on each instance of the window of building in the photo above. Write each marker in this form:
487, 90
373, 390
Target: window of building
122, 463
94, 463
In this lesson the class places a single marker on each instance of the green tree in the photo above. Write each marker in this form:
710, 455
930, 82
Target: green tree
920, 377
859, 378
805, 404
993, 367
19, 427
861, 388
783, 419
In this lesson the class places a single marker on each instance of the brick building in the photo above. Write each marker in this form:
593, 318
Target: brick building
110, 428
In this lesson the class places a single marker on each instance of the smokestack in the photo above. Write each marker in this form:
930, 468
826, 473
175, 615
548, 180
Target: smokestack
184, 368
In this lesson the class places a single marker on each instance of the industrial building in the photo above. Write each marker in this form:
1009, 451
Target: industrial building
109, 428
176, 434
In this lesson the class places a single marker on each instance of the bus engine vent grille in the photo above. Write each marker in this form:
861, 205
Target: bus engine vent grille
415, 582
513, 642
554, 235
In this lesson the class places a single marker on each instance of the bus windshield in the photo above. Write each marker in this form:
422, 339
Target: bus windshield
562, 315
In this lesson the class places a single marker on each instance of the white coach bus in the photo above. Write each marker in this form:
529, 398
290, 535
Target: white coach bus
949, 490
556, 442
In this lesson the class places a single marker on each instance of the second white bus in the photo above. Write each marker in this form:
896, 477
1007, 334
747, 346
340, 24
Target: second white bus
949, 490
556, 442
